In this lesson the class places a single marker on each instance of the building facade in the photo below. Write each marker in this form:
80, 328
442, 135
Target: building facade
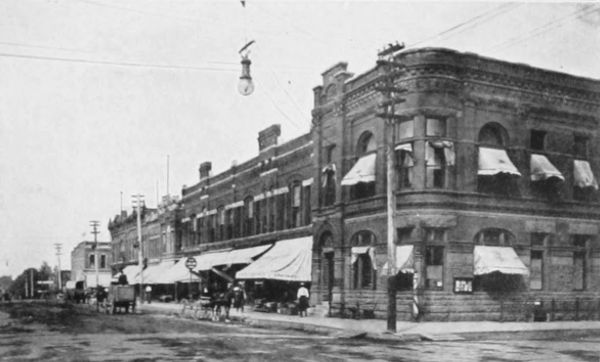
478, 187
83, 263
490, 162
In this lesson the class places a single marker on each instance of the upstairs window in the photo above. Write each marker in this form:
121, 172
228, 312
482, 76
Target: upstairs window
435, 127
436, 166
494, 237
296, 203
103, 261
329, 154
580, 146
492, 134
366, 144
404, 235
92, 261
537, 139
404, 165
405, 129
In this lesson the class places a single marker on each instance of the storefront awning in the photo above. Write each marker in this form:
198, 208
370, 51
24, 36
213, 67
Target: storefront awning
583, 175
503, 259
239, 256
404, 259
288, 260
493, 161
543, 169
362, 171
359, 250
156, 274
132, 272
178, 273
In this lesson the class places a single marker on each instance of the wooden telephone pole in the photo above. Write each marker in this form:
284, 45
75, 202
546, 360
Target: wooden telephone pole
392, 95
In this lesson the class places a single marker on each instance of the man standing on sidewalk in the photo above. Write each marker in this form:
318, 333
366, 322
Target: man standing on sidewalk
148, 293
302, 300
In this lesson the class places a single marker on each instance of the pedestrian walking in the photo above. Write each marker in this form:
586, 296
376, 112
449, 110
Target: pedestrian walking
302, 296
239, 297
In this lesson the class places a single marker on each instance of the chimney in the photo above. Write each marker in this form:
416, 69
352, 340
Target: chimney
204, 169
268, 137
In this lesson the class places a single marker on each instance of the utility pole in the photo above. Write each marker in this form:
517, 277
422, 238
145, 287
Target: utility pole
94, 224
137, 202
391, 70
58, 247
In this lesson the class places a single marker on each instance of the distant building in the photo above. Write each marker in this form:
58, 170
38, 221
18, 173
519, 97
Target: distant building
83, 263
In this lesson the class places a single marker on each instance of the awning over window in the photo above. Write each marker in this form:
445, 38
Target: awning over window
359, 250
132, 272
493, 161
104, 279
583, 175
289, 260
404, 259
178, 273
408, 160
362, 171
543, 169
237, 256
503, 259
156, 274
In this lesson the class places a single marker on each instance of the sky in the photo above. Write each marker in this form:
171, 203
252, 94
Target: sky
96, 95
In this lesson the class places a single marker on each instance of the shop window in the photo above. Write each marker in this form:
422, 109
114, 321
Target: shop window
536, 270
92, 261
435, 161
579, 272
537, 139
363, 270
102, 261
494, 237
436, 127
434, 267
405, 129
580, 146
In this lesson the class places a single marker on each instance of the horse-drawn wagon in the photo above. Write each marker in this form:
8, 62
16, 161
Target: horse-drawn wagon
119, 296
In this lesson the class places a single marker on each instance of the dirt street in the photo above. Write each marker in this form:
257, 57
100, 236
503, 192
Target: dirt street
63, 332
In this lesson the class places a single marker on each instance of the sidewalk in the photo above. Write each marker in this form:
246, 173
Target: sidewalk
376, 328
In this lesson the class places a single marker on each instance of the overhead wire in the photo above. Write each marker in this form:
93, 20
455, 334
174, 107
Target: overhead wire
544, 28
469, 23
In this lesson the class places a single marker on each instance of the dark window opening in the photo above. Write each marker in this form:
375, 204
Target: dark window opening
579, 272
536, 270
500, 185
494, 237
492, 135
102, 261
362, 190
538, 239
404, 235
435, 167
435, 235
329, 187
363, 272
580, 240
329, 153
536, 140
434, 267
550, 188
404, 169
580, 146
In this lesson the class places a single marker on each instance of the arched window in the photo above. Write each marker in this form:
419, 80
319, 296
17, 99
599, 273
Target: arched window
494, 237
363, 260
366, 143
328, 185
493, 134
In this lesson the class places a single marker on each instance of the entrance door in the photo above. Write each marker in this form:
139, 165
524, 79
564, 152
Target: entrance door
328, 270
